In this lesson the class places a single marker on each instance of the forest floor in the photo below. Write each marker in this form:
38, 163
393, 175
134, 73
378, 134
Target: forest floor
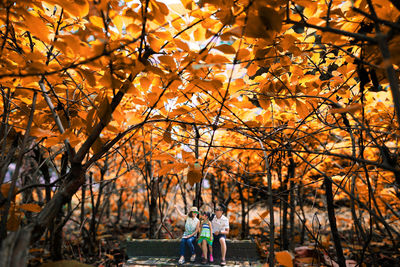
107, 250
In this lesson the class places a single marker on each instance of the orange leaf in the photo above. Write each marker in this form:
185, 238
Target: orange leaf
39, 132
243, 54
145, 83
5, 188
226, 49
187, 4
37, 27
270, 18
350, 108
182, 45
167, 134
193, 176
168, 60
284, 258
105, 111
13, 222
76, 8
89, 77
301, 109
163, 156
264, 214
31, 207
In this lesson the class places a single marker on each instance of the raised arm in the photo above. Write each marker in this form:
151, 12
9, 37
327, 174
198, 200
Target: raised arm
180, 212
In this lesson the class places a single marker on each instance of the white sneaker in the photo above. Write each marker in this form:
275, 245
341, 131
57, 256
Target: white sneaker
193, 258
181, 261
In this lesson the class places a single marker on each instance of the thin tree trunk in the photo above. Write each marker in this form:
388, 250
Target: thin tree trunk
243, 211
285, 207
7, 205
198, 200
267, 169
57, 237
271, 216
292, 214
332, 221
291, 172
153, 211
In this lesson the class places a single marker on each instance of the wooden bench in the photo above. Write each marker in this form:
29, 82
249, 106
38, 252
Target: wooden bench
147, 249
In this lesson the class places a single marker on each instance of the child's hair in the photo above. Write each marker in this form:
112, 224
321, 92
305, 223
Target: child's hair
208, 214
212, 216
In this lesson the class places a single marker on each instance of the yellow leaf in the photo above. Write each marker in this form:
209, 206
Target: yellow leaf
96, 21
199, 34
31, 207
284, 258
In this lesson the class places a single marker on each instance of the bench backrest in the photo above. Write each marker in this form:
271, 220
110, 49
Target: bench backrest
236, 249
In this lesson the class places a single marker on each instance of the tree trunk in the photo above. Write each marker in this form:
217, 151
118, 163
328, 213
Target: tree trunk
74, 180
15, 248
57, 237
243, 211
153, 211
332, 221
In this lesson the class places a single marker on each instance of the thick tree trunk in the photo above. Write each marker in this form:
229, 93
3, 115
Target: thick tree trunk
74, 180
15, 248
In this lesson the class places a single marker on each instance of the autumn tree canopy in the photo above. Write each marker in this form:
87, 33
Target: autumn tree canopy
261, 99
